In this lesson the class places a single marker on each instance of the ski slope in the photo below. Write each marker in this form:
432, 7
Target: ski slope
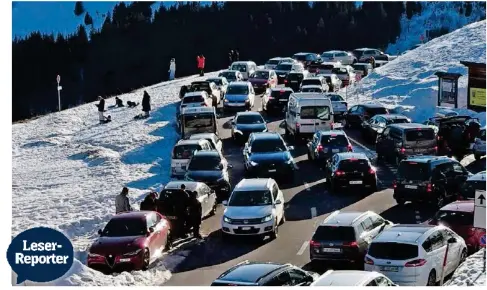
408, 84
67, 170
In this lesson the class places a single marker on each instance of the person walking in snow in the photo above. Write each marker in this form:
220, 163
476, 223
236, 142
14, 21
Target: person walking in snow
146, 108
122, 203
149, 202
101, 109
172, 69
201, 64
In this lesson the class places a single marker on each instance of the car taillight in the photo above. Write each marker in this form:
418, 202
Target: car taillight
415, 263
403, 150
429, 187
394, 184
285, 81
350, 148
368, 261
339, 173
371, 171
317, 70
350, 244
436, 148
298, 125
319, 148
314, 243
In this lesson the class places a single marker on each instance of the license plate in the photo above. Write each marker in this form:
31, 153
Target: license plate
282, 100
124, 260
294, 81
245, 228
331, 250
356, 182
411, 186
390, 269
272, 170
335, 150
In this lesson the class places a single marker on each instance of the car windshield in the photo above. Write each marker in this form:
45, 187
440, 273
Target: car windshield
393, 251
185, 151
295, 77
282, 94
125, 227
239, 67
359, 67
250, 119
420, 135
237, 90
204, 163
327, 55
260, 75
193, 99
300, 57
217, 82
340, 71
315, 112
268, 145
308, 82
311, 90
335, 98
250, 198
413, 171
376, 111
469, 188
200, 87
198, 121
454, 218
327, 67
334, 140
231, 76
273, 61
286, 60
284, 66
352, 164
334, 233
358, 53
397, 121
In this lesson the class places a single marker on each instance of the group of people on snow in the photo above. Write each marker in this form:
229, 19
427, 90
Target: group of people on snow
233, 56
146, 107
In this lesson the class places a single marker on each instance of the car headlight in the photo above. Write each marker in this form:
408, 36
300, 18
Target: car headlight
227, 220
134, 253
253, 163
225, 100
93, 255
236, 131
267, 218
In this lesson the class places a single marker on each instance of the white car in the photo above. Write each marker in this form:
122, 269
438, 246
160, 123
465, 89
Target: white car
255, 207
344, 57
196, 99
412, 255
352, 278
182, 153
272, 63
346, 74
316, 81
479, 145
215, 141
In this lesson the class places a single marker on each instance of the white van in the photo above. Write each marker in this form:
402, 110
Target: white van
195, 120
182, 153
308, 113
245, 67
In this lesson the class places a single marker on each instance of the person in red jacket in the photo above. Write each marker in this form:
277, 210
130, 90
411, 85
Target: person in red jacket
201, 64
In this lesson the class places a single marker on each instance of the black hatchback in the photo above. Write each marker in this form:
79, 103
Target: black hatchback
351, 170
294, 80
275, 100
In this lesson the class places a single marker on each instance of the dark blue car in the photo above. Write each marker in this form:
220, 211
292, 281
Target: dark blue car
246, 123
325, 144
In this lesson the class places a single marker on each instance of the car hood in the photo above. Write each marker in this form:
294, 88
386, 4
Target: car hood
204, 175
116, 245
251, 127
237, 98
257, 81
247, 212
270, 157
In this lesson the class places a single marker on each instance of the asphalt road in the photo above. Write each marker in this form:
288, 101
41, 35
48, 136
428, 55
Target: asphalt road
307, 204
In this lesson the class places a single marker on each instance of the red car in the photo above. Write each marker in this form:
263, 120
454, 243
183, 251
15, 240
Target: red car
263, 79
129, 241
458, 216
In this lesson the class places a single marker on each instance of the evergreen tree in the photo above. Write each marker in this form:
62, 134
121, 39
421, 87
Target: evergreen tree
468, 9
79, 8
88, 19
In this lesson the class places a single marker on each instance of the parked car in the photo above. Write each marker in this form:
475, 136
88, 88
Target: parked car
215, 141
205, 195
283, 69
340, 106
231, 75
351, 170
196, 99
272, 63
255, 208
357, 114
316, 81
362, 68
412, 255
401, 140
473, 183
325, 144
344, 236
261, 80
247, 68
129, 241
343, 57
275, 100
323, 68
210, 88
364, 54
478, 148
287, 60
334, 83
294, 78
264, 274
246, 123
182, 153
375, 126
305, 58
352, 278
211, 168
312, 89
239, 96
428, 179
221, 83
458, 216
345, 74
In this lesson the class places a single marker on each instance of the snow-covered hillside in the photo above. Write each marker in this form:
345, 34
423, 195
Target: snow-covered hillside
434, 15
67, 170
408, 83
470, 273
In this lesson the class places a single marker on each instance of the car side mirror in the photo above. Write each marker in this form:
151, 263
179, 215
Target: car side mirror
278, 202
452, 240
100, 232
225, 203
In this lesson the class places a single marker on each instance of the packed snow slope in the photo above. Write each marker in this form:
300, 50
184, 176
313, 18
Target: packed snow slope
470, 272
408, 84
67, 170
434, 15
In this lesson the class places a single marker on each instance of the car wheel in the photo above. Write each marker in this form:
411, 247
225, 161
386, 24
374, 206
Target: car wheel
146, 259
400, 201
275, 232
478, 157
431, 278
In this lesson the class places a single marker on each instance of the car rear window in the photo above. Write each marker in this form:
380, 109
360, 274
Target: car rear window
340, 71
315, 112
393, 251
326, 67
284, 66
454, 218
397, 121
327, 54
239, 67
420, 135
312, 90
334, 140
359, 67
200, 87
313, 66
300, 57
324, 232
281, 94
358, 53
228, 75
348, 165
217, 82
294, 77
469, 188
193, 99
237, 90
185, 151
311, 82
273, 61
413, 171
376, 111
260, 75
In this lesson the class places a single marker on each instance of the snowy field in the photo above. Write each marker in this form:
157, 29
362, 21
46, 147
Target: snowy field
470, 272
408, 84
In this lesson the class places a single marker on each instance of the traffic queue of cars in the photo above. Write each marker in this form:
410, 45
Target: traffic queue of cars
391, 254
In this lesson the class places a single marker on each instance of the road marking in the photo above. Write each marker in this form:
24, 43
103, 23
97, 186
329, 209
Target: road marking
313, 212
362, 146
307, 187
303, 247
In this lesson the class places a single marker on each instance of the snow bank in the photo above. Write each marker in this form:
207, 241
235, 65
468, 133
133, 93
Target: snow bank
408, 84
470, 272
67, 170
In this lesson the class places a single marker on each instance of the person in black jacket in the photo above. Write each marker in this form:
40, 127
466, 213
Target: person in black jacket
146, 104
195, 212
101, 109
230, 58
119, 102
149, 202
237, 55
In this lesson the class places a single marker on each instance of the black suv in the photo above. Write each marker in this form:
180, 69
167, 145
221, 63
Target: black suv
326, 143
275, 100
345, 236
293, 80
357, 114
376, 125
267, 155
245, 123
430, 179
350, 170
265, 274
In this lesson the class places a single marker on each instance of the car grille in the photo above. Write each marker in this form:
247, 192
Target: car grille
243, 232
110, 260
235, 101
246, 221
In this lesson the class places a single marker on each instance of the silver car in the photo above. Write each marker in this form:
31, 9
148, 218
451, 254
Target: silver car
344, 57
